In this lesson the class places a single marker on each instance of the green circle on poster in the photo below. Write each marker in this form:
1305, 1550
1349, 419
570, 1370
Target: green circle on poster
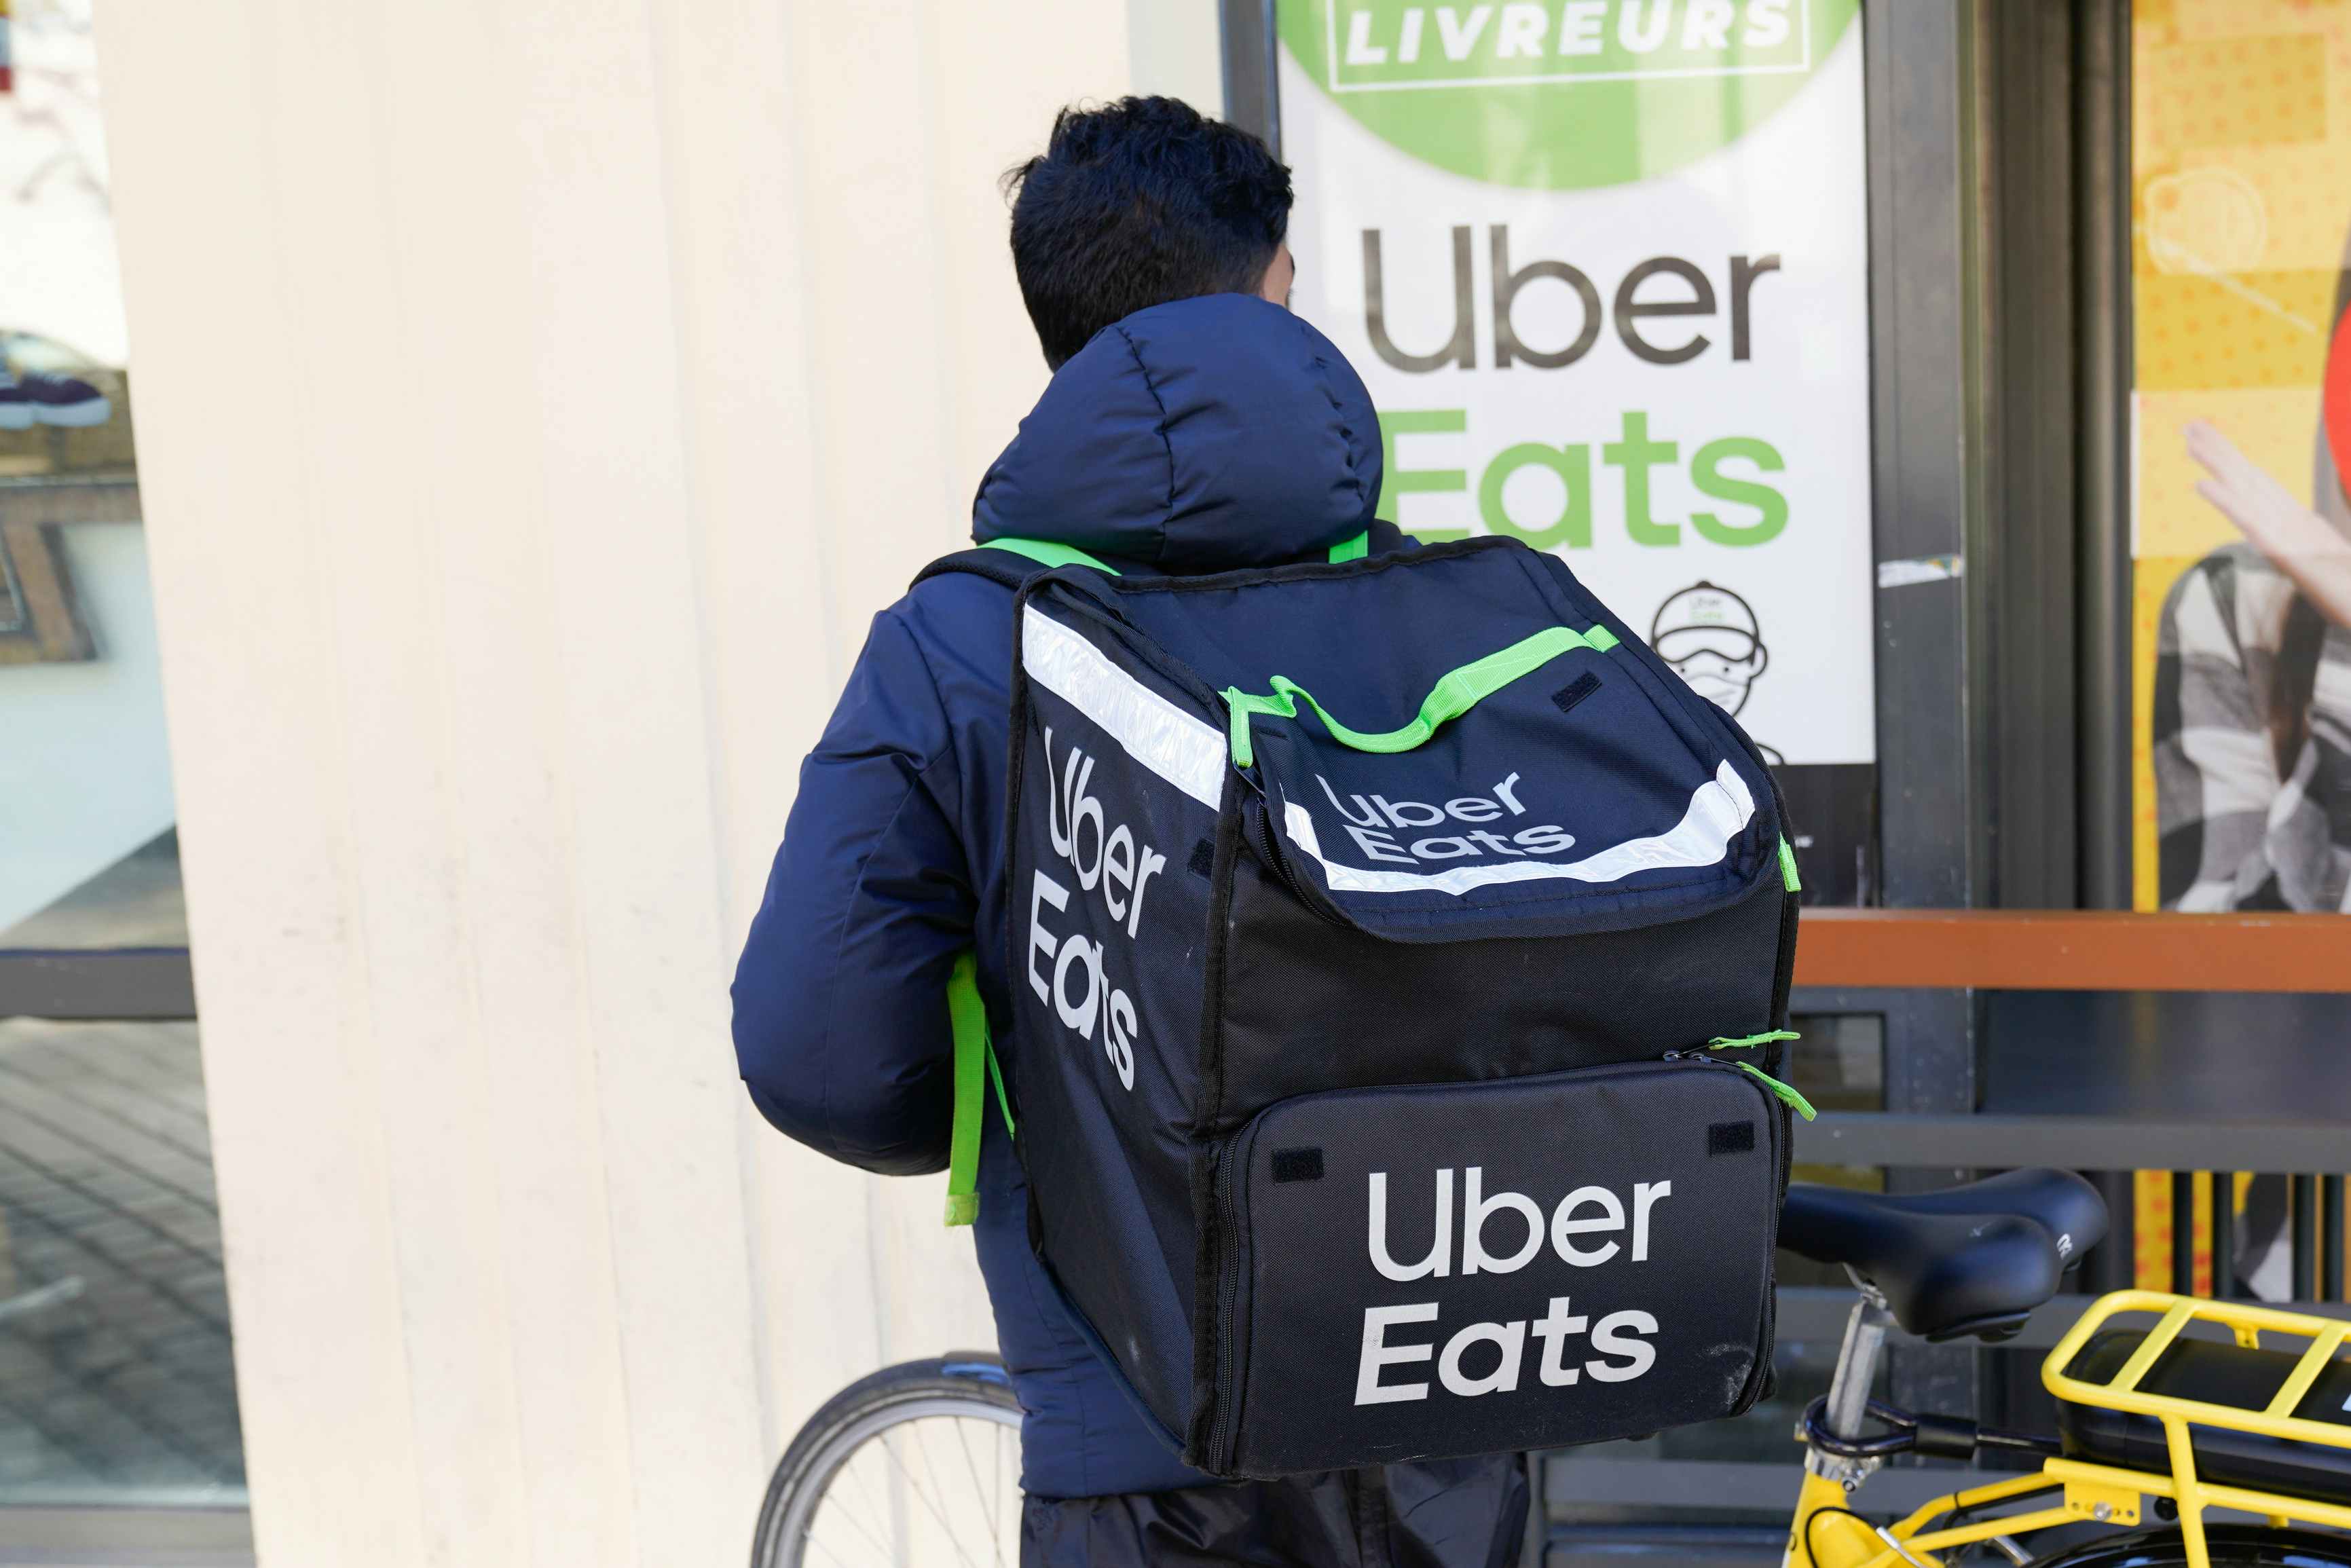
1566, 95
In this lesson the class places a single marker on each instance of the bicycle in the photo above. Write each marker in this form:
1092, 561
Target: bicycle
2152, 1422
2158, 1428
871, 1477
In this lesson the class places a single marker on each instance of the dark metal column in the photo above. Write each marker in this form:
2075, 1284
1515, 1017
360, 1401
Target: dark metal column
1923, 190
2102, 316
2183, 1232
2330, 1237
2305, 1238
2224, 1234
1252, 90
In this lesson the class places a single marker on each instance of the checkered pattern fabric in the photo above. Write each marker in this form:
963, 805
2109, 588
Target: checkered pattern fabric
2252, 791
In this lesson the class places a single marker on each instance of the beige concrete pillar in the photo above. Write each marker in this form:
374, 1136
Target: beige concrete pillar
534, 400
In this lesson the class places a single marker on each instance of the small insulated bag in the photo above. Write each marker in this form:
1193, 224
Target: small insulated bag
1399, 952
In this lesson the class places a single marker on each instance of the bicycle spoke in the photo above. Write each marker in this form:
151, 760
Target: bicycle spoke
891, 1445
810, 1538
932, 1466
918, 1443
853, 1505
839, 1505
880, 1506
979, 1493
885, 1527
995, 1536
996, 1488
1014, 1466
943, 1523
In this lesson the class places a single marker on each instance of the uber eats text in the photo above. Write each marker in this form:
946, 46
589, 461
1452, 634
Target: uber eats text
1383, 828
1666, 312
1110, 862
1589, 1227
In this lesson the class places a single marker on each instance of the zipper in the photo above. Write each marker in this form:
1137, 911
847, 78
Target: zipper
1786, 1093
1266, 840
1228, 1278
1749, 1042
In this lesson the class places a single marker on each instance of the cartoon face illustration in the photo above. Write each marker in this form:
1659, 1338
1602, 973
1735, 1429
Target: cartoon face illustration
1710, 638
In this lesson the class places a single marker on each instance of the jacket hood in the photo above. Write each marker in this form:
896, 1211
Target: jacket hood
1197, 435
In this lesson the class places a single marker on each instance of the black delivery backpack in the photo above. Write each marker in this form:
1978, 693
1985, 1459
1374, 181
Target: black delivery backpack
1400, 956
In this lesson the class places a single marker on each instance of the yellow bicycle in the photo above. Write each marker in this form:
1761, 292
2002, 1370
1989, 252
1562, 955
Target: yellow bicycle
2170, 1406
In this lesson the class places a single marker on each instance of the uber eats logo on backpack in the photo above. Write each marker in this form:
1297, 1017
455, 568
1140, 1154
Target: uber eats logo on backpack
1069, 971
1398, 831
1589, 1227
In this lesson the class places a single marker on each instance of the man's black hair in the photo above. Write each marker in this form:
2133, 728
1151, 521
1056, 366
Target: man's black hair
1135, 203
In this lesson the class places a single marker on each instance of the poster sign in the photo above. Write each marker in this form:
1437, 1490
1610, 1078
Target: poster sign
1603, 266
2240, 279
2241, 493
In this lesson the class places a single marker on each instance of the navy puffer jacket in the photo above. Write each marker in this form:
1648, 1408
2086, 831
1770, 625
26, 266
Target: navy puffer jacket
1196, 437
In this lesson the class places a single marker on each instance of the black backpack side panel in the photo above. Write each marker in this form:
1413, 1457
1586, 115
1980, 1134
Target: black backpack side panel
1107, 923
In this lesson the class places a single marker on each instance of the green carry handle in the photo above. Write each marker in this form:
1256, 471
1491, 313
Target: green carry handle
975, 1058
1455, 694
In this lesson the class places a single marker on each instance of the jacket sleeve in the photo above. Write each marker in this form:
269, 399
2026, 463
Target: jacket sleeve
840, 1015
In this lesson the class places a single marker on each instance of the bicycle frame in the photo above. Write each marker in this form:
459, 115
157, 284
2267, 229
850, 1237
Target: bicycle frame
1827, 1533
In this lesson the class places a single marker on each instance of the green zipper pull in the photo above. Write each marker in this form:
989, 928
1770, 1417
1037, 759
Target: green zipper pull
1795, 1102
1743, 1041
1788, 876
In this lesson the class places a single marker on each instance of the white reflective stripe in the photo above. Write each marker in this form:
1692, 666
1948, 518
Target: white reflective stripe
1717, 810
1184, 751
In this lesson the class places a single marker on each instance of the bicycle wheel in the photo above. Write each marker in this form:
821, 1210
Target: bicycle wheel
918, 1464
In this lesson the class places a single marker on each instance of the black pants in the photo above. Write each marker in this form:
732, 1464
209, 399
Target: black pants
1457, 1513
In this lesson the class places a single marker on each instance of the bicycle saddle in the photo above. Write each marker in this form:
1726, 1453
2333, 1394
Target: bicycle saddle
1973, 1259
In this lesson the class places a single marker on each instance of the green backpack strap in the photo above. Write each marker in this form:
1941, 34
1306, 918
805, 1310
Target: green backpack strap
1049, 554
1455, 694
975, 1058
1045, 552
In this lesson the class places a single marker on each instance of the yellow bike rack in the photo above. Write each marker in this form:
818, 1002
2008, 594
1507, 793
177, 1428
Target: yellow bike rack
2193, 1496
2106, 1493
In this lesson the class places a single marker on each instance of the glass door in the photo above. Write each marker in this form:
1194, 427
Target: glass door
116, 1377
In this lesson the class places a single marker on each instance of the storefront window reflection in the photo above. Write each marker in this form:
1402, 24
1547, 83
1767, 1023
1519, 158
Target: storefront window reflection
116, 1377
116, 1383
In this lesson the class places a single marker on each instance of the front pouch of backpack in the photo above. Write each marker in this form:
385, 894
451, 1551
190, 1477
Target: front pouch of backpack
1444, 1269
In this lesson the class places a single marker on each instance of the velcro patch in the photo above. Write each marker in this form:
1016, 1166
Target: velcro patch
1576, 691
1730, 1138
1306, 1165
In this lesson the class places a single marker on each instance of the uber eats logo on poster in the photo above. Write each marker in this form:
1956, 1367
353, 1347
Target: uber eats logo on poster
1562, 94
1667, 311
1587, 1227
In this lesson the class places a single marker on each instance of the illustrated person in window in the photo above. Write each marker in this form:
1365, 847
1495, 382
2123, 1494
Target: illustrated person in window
1149, 246
2253, 693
